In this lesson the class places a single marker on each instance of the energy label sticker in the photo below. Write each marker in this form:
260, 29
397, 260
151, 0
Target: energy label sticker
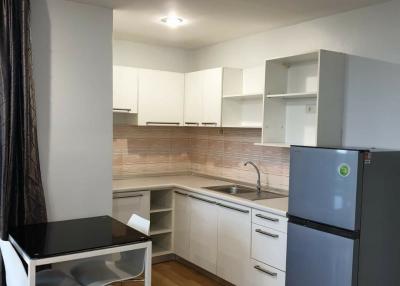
344, 170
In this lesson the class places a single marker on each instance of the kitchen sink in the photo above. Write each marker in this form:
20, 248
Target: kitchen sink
245, 192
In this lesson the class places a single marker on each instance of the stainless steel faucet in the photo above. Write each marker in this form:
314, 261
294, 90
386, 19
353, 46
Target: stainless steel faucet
258, 173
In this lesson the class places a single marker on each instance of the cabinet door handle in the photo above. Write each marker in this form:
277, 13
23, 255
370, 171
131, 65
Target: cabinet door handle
122, 109
161, 123
270, 273
192, 123
233, 208
127, 196
181, 194
201, 199
267, 218
209, 123
267, 233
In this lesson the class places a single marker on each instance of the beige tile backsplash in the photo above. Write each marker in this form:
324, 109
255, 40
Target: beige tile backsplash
211, 151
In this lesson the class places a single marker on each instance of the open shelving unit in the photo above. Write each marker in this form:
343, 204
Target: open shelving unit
242, 106
303, 104
161, 222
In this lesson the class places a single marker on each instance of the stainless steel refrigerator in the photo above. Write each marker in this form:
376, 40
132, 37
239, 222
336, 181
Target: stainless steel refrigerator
344, 217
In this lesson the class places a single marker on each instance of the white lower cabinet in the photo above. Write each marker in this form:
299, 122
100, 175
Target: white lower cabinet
234, 239
126, 204
264, 275
181, 224
203, 233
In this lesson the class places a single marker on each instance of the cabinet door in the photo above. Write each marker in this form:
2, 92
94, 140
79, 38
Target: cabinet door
212, 97
125, 205
194, 88
254, 80
160, 97
125, 89
203, 233
234, 243
181, 224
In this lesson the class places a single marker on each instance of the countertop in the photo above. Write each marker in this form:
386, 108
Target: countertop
196, 183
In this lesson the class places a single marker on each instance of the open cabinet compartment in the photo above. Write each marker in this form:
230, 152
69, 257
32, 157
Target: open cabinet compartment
162, 244
160, 222
295, 76
242, 111
160, 200
304, 100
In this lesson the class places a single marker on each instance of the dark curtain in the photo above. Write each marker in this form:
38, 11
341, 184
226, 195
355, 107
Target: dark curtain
21, 192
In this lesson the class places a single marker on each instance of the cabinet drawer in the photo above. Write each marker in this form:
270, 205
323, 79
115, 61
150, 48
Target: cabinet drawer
269, 220
262, 274
269, 246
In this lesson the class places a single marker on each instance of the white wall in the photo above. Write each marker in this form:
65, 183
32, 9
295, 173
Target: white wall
370, 32
372, 103
148, 56
72, 58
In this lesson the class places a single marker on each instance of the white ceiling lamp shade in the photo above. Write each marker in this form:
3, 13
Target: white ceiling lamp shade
172, 21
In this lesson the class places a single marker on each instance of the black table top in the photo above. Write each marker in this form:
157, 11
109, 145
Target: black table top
72, 236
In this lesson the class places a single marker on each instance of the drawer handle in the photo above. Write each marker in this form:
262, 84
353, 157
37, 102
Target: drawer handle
233, 208
209, 123
259, 268
267, 233
267, 218
122, 109
161, 123
128, 196
192, 123
181, 194
204, 200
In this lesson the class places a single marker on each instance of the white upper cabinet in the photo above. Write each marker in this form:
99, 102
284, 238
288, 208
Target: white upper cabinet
204, 91
254, 80
125, 89
161, 96
194, 89
212, 96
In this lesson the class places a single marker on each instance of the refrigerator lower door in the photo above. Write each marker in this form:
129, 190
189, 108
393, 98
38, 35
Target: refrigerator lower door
317, 258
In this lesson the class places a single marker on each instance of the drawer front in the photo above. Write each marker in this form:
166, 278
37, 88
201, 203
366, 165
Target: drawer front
269, 246
276, 222
262, 274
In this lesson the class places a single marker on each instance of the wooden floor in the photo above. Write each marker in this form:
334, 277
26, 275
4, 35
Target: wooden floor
173, 273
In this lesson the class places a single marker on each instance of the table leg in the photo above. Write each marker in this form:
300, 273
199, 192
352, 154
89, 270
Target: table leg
147, 270
31, 274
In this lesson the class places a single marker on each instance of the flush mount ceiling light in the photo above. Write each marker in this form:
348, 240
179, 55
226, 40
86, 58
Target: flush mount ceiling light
172, 21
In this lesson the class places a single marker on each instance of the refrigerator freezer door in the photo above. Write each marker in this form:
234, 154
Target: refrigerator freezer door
324, 186
316, 258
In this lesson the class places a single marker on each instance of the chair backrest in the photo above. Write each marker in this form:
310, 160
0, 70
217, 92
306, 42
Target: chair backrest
139, 223
15, 271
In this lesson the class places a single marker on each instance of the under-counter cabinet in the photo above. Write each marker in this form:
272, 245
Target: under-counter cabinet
304, 99
161, 97
203, 238
203, 95
234, 240
127, 203
181, 224
125, 89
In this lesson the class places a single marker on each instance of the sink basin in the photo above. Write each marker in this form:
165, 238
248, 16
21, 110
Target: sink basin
245, 192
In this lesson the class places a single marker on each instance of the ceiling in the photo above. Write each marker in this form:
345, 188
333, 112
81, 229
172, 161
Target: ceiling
212, 21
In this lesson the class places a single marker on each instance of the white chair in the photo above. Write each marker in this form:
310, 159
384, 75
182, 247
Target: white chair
16, 274
104, 272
